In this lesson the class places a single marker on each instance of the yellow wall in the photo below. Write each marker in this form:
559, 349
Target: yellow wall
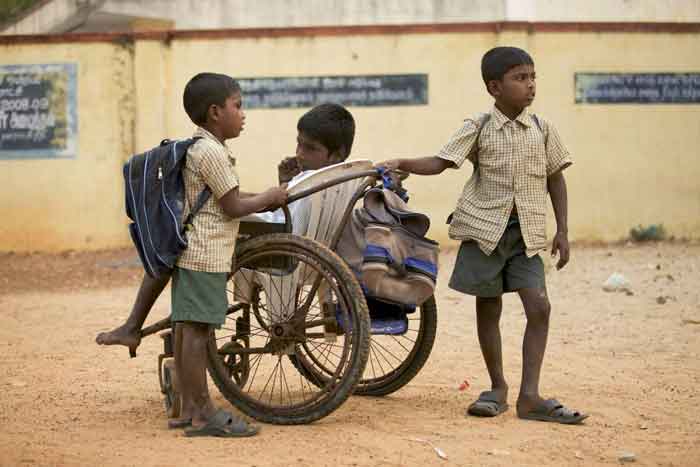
59, 204
634, 164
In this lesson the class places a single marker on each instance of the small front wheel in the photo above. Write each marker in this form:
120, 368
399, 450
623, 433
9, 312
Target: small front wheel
171, 389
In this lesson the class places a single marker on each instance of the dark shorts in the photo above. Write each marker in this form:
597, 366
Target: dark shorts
199, 297
506, 269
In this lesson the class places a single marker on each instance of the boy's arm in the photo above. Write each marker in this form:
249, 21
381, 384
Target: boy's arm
460, 147
556, 185
432, 165
217, 170
236, 204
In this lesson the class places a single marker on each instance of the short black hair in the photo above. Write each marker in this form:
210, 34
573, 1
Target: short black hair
331, 125
205, 90
497, 61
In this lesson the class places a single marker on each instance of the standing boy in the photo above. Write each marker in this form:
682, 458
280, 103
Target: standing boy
500, 219
213, 103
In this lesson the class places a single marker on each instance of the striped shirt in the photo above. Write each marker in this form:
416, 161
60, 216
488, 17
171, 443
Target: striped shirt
512, 159
212, 237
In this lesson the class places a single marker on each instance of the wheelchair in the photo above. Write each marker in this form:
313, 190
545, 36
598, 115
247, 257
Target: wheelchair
300, 336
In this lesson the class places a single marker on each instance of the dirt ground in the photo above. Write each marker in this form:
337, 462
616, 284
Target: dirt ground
631, 361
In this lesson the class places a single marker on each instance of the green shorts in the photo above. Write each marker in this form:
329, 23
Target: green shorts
506, 269
199, 297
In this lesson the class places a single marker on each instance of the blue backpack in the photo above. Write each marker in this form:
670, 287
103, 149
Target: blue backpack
155, 201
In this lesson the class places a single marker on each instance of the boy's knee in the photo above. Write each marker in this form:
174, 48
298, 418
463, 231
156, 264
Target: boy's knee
539, 310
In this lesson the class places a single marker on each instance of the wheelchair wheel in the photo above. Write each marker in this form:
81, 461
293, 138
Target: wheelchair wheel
292, 300
396, 360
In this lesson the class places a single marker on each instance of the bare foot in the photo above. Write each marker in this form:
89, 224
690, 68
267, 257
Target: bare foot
122, 335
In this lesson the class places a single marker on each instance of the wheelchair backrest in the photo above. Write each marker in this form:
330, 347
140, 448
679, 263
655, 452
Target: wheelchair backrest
328, 206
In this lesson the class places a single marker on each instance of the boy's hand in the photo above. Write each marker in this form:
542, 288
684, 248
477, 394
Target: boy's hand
288, 169
560, 244
277, 196
391, 164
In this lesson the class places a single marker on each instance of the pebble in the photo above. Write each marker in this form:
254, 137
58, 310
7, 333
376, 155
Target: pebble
627, 457
498, 452
616, 283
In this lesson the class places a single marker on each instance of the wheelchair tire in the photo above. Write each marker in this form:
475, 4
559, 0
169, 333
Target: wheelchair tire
396, 372
299, 400
396, 378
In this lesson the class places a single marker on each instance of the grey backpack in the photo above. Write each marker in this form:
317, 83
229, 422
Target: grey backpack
385, 245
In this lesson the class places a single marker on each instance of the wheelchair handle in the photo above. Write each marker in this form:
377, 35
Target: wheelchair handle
329, 183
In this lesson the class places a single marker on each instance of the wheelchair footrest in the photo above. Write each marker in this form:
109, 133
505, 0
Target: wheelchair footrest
391, 327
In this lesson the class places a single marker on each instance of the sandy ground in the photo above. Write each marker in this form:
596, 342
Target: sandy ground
628, 360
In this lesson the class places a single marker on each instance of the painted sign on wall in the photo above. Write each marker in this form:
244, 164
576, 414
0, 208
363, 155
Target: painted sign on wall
365, 90
637, 88
38, 115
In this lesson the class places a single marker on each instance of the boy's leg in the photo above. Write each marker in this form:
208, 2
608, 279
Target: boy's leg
129, 333
537, 309
186, 407
199, 302
477, 274
530, 404
206, 419
192, 372
488, 317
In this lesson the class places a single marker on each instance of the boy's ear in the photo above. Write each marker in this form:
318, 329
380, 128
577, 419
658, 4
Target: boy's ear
213, 113
494, 87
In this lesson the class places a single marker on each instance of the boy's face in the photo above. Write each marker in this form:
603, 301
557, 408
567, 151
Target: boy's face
313, 155
517, 88
230, 117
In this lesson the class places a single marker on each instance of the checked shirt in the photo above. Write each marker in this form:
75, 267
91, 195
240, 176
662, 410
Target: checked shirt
211, 239
512, 160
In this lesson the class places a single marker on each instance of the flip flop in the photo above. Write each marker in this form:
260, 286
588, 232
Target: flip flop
176, 423
223, 425
487, 405
552, 411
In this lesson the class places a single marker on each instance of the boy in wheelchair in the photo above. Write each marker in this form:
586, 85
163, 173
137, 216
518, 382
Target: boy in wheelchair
324, 137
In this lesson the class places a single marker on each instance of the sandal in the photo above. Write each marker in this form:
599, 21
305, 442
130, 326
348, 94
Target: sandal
175, 423
552, 411
487, 405
223, 425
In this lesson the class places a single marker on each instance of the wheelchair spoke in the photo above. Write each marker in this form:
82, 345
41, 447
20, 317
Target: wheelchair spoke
255, 365
387, 351
373, 351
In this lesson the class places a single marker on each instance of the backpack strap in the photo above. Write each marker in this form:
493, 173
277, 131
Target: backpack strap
202, 198
483, 120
